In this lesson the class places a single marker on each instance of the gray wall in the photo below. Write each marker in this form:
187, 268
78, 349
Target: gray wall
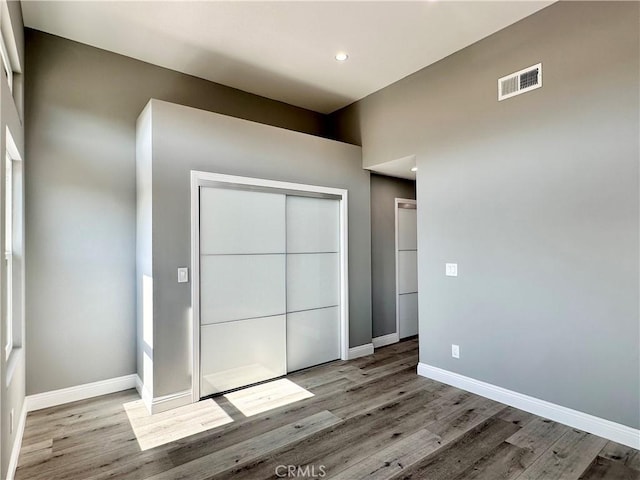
81, 109
12, 371
537, 200
384, 191
186, 139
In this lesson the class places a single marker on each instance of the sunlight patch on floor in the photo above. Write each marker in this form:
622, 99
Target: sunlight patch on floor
267, 396
155, 430
231, 378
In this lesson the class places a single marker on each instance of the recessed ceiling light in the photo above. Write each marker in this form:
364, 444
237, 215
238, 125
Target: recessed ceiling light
342, 56
414, 169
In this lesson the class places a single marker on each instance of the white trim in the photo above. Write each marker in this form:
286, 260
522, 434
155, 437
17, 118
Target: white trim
79, 392
344, 275
573, 418
264, 183
195, 288
198, 179
164, 403
395, 251
385, 340
17, 443
171, 401
397, 203
361, 351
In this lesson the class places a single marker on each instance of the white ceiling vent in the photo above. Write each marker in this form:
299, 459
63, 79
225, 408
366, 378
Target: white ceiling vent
520, 82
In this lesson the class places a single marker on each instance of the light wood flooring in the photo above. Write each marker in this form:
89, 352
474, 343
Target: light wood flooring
370, 418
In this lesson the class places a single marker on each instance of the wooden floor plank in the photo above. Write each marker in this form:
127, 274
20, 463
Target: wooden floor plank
384, 396
448, 463
567, 458
69, 452
36, 453
506, 462
604, 469
621, 453
387, 462
145, 465
398, 365
538, 435
454, 425
515, 416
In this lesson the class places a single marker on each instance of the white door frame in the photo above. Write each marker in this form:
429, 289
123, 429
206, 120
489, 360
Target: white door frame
398, 201
199, 179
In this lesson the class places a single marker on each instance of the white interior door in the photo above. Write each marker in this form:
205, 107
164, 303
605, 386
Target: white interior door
313, 281
269, 285
242, 288
406, 268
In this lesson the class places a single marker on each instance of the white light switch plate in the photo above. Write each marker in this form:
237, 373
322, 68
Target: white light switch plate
183, 274
451, 269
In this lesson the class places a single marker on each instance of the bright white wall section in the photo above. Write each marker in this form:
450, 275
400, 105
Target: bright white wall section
144, 257
185, 139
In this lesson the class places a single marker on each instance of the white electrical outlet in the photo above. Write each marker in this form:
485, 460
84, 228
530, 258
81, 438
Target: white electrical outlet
455, 351
11, 421
183, 274
451, 269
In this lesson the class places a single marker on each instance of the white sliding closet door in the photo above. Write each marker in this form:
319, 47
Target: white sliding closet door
242, 288
313, 281
407, 268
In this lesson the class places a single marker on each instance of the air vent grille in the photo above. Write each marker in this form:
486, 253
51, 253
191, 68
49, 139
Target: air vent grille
520, 82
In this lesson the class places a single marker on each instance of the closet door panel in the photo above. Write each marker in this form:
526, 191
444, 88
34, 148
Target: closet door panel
235, 287
240, 221
313, 337
313, 225
240, 353
408, 318
407, 229
313, 281
408, 271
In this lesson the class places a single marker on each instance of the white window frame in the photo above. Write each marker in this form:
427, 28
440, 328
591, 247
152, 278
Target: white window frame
8, 250
13, 242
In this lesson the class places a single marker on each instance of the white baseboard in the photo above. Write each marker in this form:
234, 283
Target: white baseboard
573, 418
17, 444
385, 340
162, 404
79, 392
361, 351
168, 402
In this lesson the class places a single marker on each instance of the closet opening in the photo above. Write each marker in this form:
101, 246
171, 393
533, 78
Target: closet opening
269, 282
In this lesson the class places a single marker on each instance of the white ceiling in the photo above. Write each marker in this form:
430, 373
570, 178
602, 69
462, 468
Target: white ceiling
282, 50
